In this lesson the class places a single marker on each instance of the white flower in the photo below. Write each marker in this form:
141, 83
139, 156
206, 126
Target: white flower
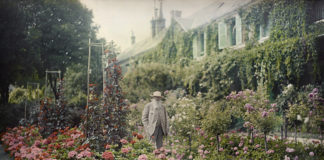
290, 86
306, 120
299, 118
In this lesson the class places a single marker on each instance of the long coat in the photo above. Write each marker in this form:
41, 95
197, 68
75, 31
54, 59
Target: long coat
150, 117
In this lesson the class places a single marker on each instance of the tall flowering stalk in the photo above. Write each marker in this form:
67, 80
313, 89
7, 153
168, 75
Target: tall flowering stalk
263, 116
92, 124
105, 123
114, 108
243, 103
53, 117
287, 97
255, 109
217, 120
316, 112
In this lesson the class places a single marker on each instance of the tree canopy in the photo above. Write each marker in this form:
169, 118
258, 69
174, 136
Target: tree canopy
40, 35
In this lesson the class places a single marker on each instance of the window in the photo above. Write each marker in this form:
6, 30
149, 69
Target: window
222, 38
238, 29
230, 32
202, 44
198, 44
318, 11
263, 30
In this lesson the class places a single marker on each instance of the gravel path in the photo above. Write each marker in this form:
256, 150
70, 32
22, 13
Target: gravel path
3, 154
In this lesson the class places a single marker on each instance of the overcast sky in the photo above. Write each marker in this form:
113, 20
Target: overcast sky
117, 18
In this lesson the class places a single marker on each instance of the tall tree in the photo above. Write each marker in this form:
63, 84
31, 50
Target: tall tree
39, 35
15, 59
62, 30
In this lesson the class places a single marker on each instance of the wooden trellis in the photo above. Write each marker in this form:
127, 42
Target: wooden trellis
50, 72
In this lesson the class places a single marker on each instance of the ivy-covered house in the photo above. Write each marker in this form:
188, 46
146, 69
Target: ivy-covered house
223, 14
243, 43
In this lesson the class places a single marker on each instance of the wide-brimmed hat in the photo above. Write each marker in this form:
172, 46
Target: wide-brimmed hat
156, 94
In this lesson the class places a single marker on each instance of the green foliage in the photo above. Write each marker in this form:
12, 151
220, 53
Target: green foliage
218, 119
289, 19
175, 48
76, 85
218, 75
212, 39
271, 64
20, 95
236, 146
253, 18
284, 59
298, 109
146, 78
187, 114
41, 35
16, 61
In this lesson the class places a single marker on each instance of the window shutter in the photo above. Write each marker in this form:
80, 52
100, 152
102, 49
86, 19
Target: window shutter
238, 25
222, 40
195, 47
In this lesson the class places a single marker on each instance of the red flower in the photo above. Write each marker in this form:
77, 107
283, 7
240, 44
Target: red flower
107, 155
132, 142
91, 85
134, 134
139, 137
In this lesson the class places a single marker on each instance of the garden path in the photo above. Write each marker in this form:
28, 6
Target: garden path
3, 154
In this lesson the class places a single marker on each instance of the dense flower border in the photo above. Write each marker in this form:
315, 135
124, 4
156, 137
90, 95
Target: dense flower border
70, 143
27, 143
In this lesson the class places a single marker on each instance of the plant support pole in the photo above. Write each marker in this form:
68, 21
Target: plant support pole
103, 70
88, 78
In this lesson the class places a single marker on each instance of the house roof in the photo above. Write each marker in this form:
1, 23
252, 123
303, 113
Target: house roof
141, 46
214, 11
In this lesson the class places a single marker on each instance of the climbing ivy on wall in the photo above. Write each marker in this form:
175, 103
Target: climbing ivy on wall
252, 18
288, 19
212, 39
272, 64
175, 48
289, 56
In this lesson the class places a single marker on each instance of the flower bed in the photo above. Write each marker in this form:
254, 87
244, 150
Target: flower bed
27, 143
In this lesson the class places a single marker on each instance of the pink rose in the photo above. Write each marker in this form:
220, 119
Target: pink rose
107, 146
70, 143
123, 141
161, 156
142, 157
311, 154
125, 150
72, 154
265, 114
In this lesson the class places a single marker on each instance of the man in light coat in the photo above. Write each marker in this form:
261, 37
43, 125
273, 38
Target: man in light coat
155, 120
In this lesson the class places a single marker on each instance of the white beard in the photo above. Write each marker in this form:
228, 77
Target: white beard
156, 104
